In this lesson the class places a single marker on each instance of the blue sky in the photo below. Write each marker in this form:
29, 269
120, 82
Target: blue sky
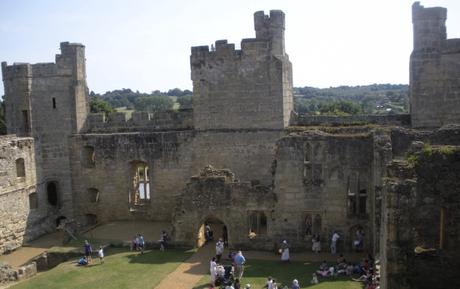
145, 45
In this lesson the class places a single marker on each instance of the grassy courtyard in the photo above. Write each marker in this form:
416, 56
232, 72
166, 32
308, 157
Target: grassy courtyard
121, 270
257, 271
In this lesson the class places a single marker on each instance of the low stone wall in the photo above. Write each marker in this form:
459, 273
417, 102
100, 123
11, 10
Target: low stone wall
309, 120
9, 274
139, 121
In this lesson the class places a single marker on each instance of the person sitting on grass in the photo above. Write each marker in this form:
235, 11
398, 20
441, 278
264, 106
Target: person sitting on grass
248, 286
83, 261
323, 270
314, 279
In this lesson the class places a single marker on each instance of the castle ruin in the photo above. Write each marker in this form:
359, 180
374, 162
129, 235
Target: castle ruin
241, 156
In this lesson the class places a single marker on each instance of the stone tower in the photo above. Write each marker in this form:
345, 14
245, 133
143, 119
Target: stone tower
249, 88
48, 101
434, 70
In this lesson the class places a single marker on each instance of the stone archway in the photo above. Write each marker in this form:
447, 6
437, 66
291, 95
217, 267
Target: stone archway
217, 228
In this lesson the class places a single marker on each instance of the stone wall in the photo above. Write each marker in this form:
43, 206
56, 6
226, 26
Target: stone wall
247, 88
309, 120
48, 101
316, 173
434, 70
21, 206
421, 221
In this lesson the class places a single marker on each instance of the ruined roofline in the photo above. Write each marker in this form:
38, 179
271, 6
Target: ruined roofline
265, 27
27, 70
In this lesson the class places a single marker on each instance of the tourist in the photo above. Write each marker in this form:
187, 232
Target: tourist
163, 240
323, 269
88, 251
225, 235
295, 284
82, 261
208, 234
316, 244
269, 283
239, 264
213, 271
275, 285
237, 284
334, 239
134, 244
219, 249
100, 253
358, 243
284, 251
314, 279
141, 243
248, 286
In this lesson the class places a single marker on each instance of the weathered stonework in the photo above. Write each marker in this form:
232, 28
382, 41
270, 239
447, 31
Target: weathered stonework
434, 70
241, 157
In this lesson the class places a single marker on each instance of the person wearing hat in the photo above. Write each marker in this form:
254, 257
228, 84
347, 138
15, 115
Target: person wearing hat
284, 251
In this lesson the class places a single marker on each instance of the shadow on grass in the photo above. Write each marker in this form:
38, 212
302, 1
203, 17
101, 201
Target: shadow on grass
158, 257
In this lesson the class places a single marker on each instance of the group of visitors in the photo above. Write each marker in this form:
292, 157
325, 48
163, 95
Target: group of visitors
358, 242
138, 243
87, 258
271, 284
227, 276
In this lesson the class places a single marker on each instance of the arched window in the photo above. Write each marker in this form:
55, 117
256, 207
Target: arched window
52, 193
93, 195
88, 156
20, 168
140, 192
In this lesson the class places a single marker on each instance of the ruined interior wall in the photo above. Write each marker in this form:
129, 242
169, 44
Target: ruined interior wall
434, 70
19, 223
173, 157
319, 185
415, 195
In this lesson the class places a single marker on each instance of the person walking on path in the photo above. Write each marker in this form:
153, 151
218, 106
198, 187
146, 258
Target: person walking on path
88, 251
239, 265
100, 253
334, 239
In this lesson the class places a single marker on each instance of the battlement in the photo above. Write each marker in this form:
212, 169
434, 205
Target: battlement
71, 54
419, 12
314, 120
266, 24
139, 121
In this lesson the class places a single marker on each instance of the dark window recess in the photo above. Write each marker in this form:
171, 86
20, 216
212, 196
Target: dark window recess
52, 193
20, 168
54, 102
25, 121
33, 201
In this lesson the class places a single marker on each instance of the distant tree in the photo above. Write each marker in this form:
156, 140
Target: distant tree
153, 103
185, 101
98, 105
2, 117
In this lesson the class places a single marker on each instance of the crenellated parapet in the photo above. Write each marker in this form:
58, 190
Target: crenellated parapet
139, 121
245, 88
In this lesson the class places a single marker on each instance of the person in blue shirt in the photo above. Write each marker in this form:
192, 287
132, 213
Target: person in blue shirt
239, 261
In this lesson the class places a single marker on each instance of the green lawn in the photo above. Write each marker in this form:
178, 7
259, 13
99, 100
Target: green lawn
121, 270
257, 271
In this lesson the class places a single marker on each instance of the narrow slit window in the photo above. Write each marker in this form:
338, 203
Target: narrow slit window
54, 103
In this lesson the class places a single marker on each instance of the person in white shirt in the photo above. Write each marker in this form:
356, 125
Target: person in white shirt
219, 250
335, 238
213, 270
101, 254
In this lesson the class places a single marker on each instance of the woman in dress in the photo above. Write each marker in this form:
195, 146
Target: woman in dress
284, 251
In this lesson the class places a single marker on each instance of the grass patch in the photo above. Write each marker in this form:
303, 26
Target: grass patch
257, 271
121, 270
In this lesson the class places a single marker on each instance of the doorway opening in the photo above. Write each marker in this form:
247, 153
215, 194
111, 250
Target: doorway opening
211, 230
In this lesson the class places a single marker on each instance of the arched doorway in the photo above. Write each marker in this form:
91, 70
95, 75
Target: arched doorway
52, 193
217, 228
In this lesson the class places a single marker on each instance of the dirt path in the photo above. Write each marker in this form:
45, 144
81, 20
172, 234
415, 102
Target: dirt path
190, 271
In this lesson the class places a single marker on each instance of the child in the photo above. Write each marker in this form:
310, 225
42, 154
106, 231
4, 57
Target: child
101, 254
314, 279
295, 284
